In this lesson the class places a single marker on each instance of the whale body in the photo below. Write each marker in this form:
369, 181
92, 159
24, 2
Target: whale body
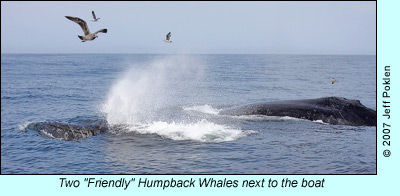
64, 131
331, 110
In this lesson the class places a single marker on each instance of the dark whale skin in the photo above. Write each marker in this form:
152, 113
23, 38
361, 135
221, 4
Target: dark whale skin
70, 132
331, 110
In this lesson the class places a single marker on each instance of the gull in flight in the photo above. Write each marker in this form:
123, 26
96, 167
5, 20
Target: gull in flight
334, 80
94, 17
85, 28
168, 37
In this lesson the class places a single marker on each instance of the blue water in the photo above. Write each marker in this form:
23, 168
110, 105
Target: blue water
167, 106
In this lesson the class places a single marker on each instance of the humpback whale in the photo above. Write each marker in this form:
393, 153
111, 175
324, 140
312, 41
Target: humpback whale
69, 132
331, 110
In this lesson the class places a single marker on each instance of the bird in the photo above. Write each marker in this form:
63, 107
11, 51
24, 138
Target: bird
168, 37
334, 80
88, 36
94, 17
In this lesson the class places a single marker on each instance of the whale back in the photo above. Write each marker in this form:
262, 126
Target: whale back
332, 110
69, 132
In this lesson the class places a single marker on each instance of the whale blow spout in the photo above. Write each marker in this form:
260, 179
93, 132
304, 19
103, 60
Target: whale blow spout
331, 110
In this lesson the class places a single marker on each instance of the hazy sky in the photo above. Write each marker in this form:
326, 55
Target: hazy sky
197, 27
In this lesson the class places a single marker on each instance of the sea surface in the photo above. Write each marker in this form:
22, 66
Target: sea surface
167, 108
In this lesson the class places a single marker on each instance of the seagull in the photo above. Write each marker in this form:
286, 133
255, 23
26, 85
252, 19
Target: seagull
168, 37
94, 17
88, 35
334, 80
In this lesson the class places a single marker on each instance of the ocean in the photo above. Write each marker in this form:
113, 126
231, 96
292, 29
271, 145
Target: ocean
166, 109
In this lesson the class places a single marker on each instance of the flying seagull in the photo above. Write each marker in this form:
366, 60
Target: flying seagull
88, 35
94, 17
334, 80
168, 37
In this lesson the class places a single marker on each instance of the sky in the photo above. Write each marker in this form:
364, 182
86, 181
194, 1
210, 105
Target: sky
209, 27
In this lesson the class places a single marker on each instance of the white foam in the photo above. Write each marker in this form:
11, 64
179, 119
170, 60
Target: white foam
320, 121
23, 126
202, 131
207, 109
267, 118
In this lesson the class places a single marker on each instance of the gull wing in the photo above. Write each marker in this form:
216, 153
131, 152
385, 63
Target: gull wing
81, 23
94, 15
168, 36
101, 31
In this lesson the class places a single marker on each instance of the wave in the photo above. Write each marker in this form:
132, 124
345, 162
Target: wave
24, 126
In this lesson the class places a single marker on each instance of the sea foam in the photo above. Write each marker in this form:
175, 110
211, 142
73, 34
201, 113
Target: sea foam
201, 131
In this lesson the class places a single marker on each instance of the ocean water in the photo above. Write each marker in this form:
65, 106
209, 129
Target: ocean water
166, 107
